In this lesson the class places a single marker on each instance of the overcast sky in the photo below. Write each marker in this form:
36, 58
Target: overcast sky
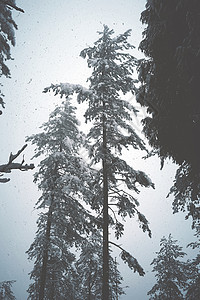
50, 36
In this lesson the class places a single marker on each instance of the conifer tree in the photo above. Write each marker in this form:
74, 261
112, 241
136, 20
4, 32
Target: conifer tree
170, 90
111, 132
7, 38
6, 291
89, 269
63, 221
193, 289
171, 278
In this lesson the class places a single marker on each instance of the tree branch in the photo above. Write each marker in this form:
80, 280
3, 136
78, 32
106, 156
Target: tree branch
13, 156
117, 191
6, 168
7, 2
130, 260
116, 245
113, 212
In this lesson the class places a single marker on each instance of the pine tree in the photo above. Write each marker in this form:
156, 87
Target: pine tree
7, 38
193, 290
186, 193
89, 269
111, 132
115, 280
63, 222
170, 275
5, 290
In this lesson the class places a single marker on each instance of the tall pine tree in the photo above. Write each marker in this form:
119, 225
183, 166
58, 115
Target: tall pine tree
63, 222
111, 132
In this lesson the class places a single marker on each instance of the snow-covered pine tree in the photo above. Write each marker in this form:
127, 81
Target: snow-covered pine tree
111, 132
89, 269
63, 222
6, 290
170, 271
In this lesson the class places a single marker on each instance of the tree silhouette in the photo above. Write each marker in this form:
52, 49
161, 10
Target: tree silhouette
170, 90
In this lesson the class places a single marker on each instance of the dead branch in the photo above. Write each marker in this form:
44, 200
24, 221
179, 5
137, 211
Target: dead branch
6, 168
7, 2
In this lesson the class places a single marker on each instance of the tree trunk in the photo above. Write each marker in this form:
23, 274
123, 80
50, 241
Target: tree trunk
45, 256
53, 286
105, 285
116, 284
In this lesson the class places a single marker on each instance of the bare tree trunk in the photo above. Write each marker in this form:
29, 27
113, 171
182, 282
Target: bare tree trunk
105, 285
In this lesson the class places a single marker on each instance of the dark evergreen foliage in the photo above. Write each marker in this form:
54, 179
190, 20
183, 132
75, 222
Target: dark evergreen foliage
170, 90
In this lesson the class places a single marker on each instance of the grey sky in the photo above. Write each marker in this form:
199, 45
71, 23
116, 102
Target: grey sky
50, 37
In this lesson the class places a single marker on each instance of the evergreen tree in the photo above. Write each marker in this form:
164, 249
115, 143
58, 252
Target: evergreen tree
193, 290
5, 290
7, 38
89, 269
186, 191
170, 271
63, 222
170, 90
111, 132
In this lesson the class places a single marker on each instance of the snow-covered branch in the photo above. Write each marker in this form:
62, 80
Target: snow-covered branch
130, 260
